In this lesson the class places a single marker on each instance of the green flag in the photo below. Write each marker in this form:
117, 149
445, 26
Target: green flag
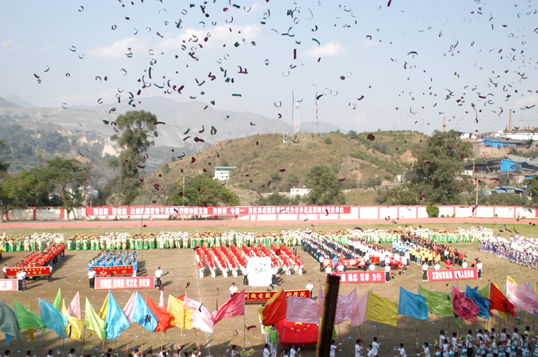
484, 291
439, 303
93, 322
8, 322
58, 301
26, 319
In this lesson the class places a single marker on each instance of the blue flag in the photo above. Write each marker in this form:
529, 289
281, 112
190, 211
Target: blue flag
53, 318
480, 301
143, 315
116, 321
413, 305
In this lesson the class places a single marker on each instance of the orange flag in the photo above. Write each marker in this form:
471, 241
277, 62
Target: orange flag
275, 309
163, 317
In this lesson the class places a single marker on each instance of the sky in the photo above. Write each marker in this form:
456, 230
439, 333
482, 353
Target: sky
359, 65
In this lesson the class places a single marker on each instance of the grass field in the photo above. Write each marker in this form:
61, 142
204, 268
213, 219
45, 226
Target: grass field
71, 277
522, 229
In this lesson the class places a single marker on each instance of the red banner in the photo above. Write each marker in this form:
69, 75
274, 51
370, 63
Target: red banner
452, 274
9, 285
362, 277
122, 282
119, 270
264, 296
375, 260
34, 271
133, 211
347, 263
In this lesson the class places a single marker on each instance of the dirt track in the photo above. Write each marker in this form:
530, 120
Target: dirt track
214, 223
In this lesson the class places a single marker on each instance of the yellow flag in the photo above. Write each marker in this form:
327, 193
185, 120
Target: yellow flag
182, 315
74, 325
510, 279
31, 330
536, 291
382, 310
102, 312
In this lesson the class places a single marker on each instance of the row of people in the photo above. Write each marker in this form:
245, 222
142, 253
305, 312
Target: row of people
112, 259
519, 250
30, 243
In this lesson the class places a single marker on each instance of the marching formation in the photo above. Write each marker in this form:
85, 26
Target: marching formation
113, 259
519, 250
35, 242
436, 235
234, 259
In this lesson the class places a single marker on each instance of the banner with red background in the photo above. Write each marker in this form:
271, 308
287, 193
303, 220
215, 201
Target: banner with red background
123, 282
33, 271
452, 274
264, 296
119, 270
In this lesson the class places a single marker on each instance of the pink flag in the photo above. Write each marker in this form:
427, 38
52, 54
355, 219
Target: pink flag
358, 311
74, 307
128, 310
201, 318
530, 297
301, 309
233, 307
343, 305
519, 297
161, 300
464, 306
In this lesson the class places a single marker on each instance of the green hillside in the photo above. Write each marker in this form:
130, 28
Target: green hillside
276, 162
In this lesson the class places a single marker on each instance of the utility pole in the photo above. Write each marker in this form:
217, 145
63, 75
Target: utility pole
476, 192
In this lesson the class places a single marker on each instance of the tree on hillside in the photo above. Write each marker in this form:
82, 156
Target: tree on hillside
325, 187
435, 178
533, 188
66, 179
15, 190
135, 131
276, 199
3, 165
204, 191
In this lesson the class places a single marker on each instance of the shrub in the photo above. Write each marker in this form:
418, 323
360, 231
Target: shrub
328, 141
432, 210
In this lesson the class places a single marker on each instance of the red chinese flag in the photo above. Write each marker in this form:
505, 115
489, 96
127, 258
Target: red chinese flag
233, 307
163, 317
275, 309
499, 302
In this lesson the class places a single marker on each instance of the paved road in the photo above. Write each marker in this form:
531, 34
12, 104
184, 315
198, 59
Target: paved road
222, 223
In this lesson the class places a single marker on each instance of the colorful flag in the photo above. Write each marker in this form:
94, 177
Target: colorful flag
438, 303
74, 307
500, 302
102, 312
163, 317
31, 330
181, 315
161, 300
143, 315
519, 297
301, 309
275, 309
116, 321
233, 307
74, 325
129, 308
25, 318
8, 323
58, 301
529, 296
413, 305
464, 307
344, 304
200, 318
53, 318
93, 322
481, 302
382, 310
358, 311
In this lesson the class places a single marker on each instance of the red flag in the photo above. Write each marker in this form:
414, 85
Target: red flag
163, 317
499, 302
464, 306
275, 309
435, 250
233, 307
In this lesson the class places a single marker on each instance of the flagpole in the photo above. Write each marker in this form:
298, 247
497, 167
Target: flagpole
416, 336
143, 341
164, 334
116, 340
245, 331
129, 340
83, 339
196, 337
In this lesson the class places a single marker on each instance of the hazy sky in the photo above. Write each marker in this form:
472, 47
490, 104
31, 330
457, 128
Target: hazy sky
409, 63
